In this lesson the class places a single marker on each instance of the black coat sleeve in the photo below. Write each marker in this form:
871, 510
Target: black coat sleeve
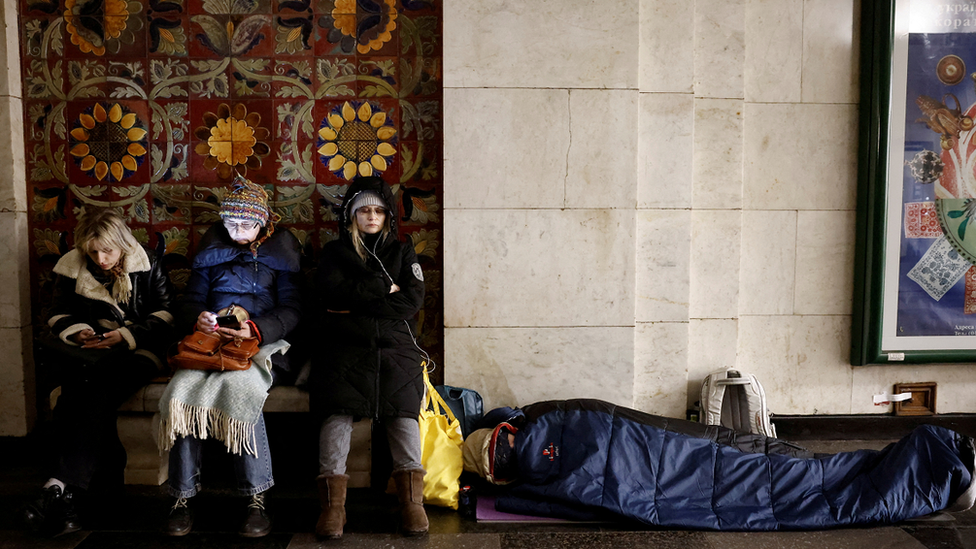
154, 327
408, 301
345, 283
64, 310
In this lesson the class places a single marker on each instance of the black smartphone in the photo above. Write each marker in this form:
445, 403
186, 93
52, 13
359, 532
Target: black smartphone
229, 321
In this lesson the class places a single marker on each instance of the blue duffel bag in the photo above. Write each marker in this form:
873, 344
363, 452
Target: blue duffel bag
466, 404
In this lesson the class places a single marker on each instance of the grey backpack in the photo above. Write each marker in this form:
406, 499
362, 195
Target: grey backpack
735, 400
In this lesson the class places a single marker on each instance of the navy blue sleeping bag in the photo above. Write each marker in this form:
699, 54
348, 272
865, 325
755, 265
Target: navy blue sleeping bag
581, 456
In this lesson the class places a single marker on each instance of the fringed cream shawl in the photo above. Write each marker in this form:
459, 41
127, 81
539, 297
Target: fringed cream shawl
222, 405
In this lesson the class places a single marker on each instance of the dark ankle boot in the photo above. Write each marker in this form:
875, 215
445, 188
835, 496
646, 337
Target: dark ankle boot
410, 492
180, 520
71, 521
51, 512
258, 523
332, 496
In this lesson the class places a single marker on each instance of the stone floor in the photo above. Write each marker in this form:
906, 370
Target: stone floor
134, 520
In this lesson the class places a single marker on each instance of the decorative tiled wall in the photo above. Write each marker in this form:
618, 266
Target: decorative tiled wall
151, 106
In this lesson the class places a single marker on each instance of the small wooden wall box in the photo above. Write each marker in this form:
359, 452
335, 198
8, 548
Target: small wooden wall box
922, 402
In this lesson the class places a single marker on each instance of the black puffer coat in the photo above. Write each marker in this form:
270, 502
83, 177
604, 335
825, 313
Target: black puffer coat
368, 365
266, 286
81, 301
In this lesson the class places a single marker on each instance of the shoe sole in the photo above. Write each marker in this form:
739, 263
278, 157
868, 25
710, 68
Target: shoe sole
179, 533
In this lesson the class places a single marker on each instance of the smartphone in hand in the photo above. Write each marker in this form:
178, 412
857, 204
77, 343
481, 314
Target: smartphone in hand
229, 321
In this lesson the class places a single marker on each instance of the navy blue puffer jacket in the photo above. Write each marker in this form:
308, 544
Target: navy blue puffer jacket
266, 286
588, 455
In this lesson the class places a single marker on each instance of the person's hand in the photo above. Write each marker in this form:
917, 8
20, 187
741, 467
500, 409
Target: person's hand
83, 336
207, 322
394, 289
103, 341
230, 333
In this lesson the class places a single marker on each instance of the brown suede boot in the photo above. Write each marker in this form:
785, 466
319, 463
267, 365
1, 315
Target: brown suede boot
410, 492
332, 495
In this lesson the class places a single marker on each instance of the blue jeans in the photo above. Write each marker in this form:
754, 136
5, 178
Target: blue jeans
253, 473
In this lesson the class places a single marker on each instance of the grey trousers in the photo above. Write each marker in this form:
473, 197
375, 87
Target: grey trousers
402, 434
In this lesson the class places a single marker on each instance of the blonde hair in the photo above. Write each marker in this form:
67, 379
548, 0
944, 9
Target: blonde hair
107, 227
357, 240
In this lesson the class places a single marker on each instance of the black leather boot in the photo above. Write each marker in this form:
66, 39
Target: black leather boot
180, 520
51, 512
258, 523
71, 521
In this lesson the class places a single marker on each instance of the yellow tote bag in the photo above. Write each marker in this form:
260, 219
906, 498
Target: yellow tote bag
440, 440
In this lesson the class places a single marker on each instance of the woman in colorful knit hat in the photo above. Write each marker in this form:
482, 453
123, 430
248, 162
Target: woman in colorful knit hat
243, 268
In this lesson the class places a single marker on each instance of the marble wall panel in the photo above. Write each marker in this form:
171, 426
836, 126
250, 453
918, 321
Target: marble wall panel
498, 43
15, 303
801, 157
802, 361
539, 268
712, 346
666, 146
519, 366
662, 262
602, 161
717, 172
660, 368
9, 52
13, 193
768, 260
714, 273
18, 409
719, 48
831, 51
667, 46
506, 148
774, 48
824, 262
954, 390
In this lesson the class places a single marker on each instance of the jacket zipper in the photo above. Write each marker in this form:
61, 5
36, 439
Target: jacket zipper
379, 368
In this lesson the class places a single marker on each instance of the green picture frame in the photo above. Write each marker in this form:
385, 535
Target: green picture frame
890, 44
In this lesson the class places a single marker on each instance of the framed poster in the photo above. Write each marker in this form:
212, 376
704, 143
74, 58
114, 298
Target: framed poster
915, 280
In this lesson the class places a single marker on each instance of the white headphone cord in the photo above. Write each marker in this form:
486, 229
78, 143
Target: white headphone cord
431, 365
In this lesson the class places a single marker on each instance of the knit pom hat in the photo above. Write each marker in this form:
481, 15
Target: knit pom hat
246, 201
366, 198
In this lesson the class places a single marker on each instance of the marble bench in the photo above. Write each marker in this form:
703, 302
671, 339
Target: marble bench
139, 427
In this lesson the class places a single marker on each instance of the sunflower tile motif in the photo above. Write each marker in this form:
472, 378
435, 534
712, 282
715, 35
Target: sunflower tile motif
232, 140
108, 142
356, 27
355, 139
150, 106
100, 26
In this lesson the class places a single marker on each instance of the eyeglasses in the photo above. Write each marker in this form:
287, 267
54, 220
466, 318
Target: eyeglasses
241, 226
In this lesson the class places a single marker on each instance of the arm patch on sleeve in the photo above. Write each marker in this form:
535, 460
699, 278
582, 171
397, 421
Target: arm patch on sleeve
418, 273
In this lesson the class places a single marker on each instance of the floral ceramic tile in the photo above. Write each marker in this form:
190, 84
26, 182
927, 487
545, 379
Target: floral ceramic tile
150, 106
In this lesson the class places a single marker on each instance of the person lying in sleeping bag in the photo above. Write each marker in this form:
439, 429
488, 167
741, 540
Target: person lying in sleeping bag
580, 458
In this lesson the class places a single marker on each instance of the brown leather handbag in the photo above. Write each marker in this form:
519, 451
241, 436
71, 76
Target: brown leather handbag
202, 351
